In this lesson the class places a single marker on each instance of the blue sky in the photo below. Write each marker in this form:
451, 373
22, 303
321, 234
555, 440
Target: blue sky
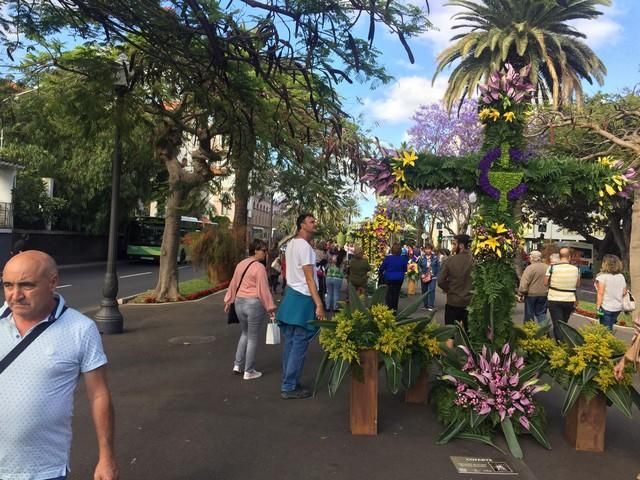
387, 110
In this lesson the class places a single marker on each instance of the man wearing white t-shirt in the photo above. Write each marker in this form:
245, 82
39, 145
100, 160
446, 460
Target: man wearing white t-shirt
37, 387
301, 304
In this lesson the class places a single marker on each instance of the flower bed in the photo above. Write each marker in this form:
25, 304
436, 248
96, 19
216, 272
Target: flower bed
194, 295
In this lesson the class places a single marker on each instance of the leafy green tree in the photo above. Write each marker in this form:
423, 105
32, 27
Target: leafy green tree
63, 129
523, 32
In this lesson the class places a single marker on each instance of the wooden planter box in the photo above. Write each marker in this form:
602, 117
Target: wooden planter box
419, 392
364, 396
585, 424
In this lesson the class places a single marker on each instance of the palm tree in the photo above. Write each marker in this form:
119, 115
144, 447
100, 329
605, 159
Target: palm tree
523, 32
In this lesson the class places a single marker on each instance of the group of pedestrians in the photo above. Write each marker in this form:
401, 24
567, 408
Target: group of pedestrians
553, 287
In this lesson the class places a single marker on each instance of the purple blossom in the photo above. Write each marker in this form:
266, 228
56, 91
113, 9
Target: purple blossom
517, 192
499, 390
437, 131
485, 164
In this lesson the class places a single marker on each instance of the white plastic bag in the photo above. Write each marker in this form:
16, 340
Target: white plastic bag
273, 333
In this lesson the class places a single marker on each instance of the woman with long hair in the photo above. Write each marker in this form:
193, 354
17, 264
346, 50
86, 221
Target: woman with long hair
611, 287
249, 291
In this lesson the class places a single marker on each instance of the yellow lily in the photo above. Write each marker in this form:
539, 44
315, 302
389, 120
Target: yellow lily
399, 174
606, 161
484, 113
509, 116
402, 190
409, 158
499, 228
609, 189
492, 242
601, 193
494, 114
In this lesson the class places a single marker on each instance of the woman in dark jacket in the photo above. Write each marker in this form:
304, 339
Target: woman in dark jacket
391, 272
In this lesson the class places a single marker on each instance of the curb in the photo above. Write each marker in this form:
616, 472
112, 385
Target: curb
127, 300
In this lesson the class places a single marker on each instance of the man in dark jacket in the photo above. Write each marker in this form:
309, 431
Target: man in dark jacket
455, 280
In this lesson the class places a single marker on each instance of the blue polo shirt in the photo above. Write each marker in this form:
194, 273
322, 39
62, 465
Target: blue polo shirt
36, 393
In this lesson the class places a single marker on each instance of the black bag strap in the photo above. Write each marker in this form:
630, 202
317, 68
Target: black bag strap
28, 340
242, 278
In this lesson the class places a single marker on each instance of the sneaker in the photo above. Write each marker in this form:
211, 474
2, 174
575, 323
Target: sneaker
297, 394
237, 370
252, 375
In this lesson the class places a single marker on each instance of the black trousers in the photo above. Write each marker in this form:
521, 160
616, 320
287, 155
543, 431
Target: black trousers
560, 311
454, 314
393, 295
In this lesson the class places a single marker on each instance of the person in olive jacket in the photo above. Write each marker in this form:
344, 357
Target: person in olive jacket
455, 280
358, 269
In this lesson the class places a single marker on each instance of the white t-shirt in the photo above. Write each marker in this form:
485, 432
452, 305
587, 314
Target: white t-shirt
36, 394
298, 254
614, 286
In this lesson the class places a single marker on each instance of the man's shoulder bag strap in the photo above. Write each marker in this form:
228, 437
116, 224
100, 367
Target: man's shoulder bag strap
28, 340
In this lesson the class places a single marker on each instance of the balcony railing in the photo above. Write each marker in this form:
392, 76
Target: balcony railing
6, 215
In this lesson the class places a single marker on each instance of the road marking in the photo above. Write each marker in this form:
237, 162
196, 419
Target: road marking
63, 286
587, 291
185, 266
135, 275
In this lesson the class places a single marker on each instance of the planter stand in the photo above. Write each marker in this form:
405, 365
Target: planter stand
411, 287
585, 424
419, 392
364, 396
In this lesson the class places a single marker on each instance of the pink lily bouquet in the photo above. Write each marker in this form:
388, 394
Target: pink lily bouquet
491, 388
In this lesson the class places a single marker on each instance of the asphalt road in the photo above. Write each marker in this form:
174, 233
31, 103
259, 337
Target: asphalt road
81, 285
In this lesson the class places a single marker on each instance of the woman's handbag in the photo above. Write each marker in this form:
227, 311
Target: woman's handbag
273, 333
628, 302
425, 277
232, 316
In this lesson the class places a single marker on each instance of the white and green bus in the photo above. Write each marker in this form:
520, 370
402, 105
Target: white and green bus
144, 237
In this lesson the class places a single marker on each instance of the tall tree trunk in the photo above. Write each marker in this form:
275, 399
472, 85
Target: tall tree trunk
167, 287
243, 150
634, 246
168, 141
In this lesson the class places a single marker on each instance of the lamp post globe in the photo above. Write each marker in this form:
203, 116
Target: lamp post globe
109, 319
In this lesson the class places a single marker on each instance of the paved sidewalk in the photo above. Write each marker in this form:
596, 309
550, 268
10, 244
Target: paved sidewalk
181, 414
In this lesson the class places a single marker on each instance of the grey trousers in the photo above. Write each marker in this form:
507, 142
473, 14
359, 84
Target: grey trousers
251, 314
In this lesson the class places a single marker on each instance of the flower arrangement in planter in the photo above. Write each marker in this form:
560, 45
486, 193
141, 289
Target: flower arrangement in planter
406, 345
583, 365
412, 271
481, 391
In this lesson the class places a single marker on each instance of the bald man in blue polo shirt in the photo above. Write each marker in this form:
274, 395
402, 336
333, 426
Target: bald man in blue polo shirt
37, 388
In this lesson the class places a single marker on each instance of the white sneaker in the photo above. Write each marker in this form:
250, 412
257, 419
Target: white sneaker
237, 370
252, 375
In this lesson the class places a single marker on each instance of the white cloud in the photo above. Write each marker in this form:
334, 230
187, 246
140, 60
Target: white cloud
441, 17
601, 32
401, 100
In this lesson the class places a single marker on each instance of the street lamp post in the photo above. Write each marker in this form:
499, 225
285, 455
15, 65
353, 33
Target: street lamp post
109, 319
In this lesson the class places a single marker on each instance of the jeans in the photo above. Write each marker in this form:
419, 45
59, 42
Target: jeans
251, 314
294, 350
430, 299
454, 314
535, 308
560, 311
393, 295
333, 292
609, 319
